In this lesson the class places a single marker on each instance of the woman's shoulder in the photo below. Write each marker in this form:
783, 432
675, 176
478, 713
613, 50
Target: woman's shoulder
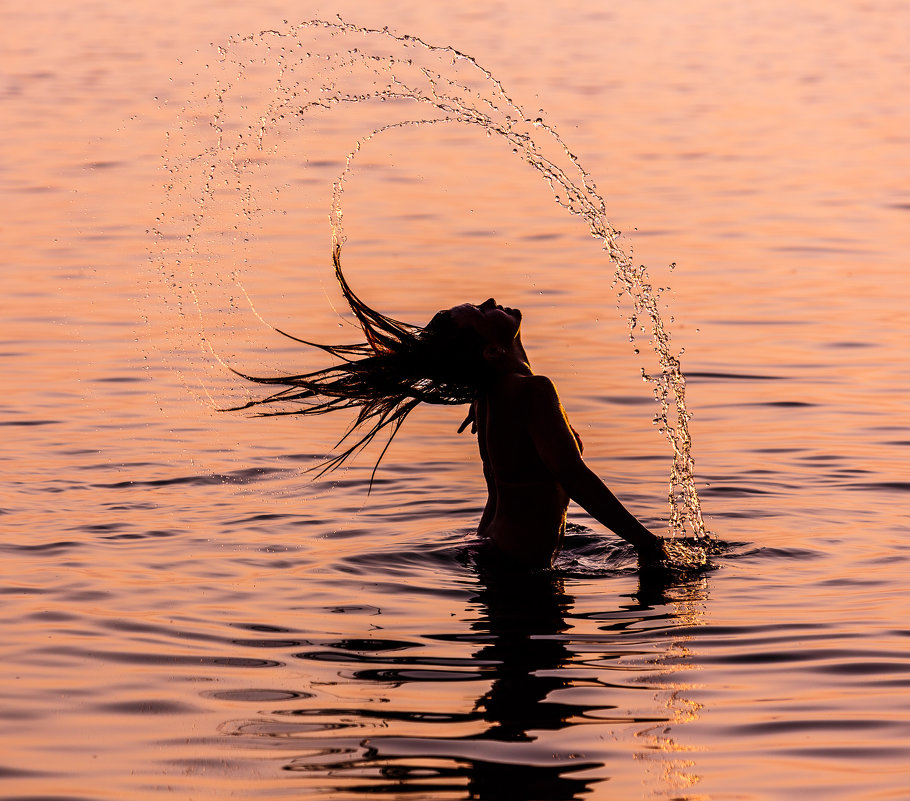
535, 389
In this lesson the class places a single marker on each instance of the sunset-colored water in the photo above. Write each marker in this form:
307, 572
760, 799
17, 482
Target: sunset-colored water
188, 614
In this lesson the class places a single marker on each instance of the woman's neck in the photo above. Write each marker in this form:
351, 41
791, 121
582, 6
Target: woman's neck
514, 362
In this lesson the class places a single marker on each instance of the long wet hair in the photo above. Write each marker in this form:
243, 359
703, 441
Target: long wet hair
385, 378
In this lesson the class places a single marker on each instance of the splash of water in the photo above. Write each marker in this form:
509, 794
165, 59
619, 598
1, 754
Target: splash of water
318, 65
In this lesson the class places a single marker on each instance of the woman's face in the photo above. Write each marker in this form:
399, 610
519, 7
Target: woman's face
497, 325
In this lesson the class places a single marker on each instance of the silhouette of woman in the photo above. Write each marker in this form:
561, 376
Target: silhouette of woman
469, 354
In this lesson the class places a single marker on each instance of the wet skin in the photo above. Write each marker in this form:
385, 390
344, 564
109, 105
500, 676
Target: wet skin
531, 456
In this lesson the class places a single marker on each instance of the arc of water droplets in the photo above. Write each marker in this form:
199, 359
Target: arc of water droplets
396, 77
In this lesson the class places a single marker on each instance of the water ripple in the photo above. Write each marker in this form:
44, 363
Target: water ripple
244, 476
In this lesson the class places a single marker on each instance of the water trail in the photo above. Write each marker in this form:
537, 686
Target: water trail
282, 78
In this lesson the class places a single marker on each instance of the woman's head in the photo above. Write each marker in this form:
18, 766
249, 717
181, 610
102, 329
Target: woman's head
478, 336
496, 324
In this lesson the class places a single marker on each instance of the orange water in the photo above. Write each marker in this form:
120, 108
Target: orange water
186, 614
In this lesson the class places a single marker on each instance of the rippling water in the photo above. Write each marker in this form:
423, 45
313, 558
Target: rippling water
187, 614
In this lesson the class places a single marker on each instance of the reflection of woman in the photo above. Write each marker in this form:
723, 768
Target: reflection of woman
469, 354
522, 625
524, 614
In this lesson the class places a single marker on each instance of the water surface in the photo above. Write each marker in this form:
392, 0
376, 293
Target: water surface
187, 614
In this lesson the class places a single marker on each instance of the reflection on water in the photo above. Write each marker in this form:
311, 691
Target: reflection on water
524, 617
535, 668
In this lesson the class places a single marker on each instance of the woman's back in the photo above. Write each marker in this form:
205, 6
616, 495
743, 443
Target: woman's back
529, 505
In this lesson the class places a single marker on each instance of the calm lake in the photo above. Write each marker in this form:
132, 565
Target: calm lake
188, 613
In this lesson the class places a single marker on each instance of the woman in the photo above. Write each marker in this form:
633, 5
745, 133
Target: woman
469, 354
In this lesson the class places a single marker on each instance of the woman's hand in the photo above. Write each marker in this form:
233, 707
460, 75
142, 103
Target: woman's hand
652, 553
471, 418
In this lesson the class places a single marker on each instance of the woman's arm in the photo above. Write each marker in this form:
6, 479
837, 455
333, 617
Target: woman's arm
558, 449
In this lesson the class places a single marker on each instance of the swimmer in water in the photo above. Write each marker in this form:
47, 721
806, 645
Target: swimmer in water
532, 457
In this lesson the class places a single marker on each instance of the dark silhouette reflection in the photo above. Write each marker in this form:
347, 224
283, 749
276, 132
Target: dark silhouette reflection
525, 614
521, 617
524, 652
